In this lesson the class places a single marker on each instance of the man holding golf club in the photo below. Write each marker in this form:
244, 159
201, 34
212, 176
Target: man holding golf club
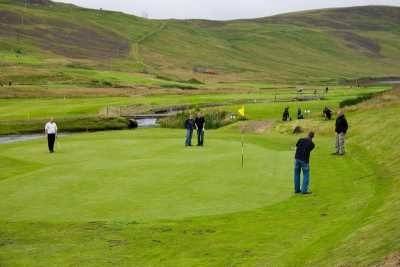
50, 130
200, 126
304, 147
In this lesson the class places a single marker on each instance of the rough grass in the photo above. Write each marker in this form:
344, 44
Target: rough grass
309, 47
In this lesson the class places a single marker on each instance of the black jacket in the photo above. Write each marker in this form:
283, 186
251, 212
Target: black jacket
304, 148
341, 125
200, 121
189, 124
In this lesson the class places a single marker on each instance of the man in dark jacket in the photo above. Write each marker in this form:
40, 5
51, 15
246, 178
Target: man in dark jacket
300, 115
341, 129
302, 163
286, 115
200, 126
327, 113
189, 126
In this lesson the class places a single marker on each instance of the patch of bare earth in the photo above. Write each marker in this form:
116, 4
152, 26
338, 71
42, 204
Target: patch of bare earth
392, 260
256, 126
359, 43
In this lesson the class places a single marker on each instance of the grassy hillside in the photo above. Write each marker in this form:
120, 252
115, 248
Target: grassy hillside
49, 43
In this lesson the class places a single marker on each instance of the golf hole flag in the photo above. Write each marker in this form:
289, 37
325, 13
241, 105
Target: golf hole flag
241, 111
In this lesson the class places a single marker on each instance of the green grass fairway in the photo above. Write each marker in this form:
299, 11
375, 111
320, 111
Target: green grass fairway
130, 176
139, 198
43, 108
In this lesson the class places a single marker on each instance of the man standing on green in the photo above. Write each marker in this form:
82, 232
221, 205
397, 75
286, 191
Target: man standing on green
302, 163
50, 131
341, 129
189, 126
200, 124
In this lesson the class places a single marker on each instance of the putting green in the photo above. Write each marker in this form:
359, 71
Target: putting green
132, 176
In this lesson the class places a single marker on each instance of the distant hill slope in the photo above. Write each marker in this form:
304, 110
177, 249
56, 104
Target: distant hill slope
320, 46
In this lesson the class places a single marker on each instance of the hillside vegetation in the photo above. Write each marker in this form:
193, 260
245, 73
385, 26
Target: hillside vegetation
52, 43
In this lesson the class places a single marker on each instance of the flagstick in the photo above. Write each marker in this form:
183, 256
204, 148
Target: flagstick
242, 151
241, 112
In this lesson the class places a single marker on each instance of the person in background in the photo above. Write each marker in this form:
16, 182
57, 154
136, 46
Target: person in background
341, 128
200, 126
189, 126
300, 115
327, 113
286, 115
50, 130
304, 147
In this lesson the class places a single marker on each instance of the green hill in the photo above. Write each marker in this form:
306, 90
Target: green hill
46, 42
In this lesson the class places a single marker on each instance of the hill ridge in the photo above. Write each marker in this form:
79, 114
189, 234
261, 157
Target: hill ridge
289, 48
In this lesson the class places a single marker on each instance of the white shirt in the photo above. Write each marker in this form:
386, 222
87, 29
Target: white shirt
51, 128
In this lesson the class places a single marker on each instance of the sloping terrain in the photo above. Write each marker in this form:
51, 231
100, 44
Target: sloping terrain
320, 46
155, 202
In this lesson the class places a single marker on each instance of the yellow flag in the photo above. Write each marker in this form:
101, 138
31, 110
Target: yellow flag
241, 111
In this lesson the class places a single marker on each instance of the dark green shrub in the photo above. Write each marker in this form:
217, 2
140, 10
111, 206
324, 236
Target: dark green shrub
101, 83
214, 119
357, 100
179, 86
194, 81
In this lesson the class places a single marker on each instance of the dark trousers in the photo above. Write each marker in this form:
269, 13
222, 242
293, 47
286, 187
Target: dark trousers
200, 137
51, 138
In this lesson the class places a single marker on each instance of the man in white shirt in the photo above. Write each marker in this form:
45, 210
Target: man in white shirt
51, 131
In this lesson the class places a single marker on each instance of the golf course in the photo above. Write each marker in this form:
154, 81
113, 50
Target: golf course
116, 195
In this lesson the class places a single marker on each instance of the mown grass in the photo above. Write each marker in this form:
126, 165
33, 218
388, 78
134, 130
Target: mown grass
141, 198
24, 115
16, 108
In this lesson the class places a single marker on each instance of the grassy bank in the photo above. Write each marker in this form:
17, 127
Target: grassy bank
73, 124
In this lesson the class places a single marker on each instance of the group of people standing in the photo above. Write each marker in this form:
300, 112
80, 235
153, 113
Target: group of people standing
197, 124
326, 112
304, 146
